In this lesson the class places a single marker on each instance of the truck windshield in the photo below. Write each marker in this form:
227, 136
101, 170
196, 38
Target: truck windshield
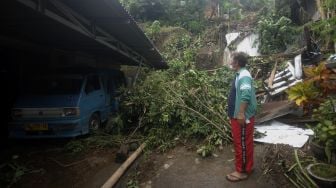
52, 85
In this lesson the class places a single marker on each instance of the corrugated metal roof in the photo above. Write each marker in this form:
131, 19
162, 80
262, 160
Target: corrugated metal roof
102, 28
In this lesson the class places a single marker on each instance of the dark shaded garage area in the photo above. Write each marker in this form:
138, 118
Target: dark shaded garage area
39, 35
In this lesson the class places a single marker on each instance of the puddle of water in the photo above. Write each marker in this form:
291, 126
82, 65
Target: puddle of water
246, 45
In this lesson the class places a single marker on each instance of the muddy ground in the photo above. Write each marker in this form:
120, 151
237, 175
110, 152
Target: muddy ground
47, 164
182, 167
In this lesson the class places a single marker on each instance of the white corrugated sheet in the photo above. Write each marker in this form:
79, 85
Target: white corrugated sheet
280, 133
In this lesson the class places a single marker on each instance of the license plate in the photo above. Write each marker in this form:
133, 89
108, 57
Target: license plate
36, 127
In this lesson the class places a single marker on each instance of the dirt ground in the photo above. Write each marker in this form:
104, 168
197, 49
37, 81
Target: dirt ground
47, 165
181, 167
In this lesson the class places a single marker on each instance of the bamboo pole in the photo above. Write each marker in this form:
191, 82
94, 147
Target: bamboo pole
122, 169
302, 170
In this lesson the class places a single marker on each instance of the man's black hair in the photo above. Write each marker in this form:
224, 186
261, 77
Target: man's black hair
241, 58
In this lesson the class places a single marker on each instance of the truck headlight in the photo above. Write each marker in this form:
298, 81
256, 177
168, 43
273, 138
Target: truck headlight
71, 111
16, 113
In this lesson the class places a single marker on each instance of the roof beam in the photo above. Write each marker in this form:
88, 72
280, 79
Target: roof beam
82, 25
68, 13
20, 44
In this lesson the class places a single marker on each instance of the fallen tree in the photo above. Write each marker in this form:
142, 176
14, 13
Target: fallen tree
181, 103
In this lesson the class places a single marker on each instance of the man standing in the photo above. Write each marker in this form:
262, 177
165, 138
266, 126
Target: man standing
241, 110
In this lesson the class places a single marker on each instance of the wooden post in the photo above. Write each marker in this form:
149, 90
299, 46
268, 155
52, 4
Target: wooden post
122, 169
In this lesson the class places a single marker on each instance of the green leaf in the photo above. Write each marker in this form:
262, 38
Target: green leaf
328, 123
328, 153
323, 137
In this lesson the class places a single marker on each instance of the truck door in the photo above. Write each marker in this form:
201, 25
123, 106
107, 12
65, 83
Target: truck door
104, 79
95, 95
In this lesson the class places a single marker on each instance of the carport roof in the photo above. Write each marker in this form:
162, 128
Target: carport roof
102, 28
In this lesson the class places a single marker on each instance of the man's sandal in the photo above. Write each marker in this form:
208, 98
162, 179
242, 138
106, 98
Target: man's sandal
234, 178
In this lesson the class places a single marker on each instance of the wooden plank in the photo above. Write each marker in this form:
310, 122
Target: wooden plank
271, 78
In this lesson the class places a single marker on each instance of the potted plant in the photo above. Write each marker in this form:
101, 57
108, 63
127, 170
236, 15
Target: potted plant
323, 144
323, 174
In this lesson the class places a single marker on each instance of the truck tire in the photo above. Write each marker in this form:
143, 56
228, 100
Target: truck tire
95, 122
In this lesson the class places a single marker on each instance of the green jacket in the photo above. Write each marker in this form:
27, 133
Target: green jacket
245, 92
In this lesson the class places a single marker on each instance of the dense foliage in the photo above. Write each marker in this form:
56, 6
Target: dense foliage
255, 4
318, 90
325, 130
180, 103
187, 14
275, 34
325, 29
319, 83
184, 103
190, 14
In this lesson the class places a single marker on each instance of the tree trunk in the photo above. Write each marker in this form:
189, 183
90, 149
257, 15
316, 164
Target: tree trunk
320, 8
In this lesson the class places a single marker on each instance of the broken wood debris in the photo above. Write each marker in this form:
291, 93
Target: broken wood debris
283, 79
273, 110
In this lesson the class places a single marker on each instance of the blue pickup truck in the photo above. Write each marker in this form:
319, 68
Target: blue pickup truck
64, 103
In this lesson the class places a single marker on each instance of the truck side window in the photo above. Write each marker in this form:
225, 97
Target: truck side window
92, 84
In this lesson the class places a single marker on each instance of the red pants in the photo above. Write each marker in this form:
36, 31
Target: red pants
243, 145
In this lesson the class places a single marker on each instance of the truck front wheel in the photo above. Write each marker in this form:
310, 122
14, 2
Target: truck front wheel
95, 122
